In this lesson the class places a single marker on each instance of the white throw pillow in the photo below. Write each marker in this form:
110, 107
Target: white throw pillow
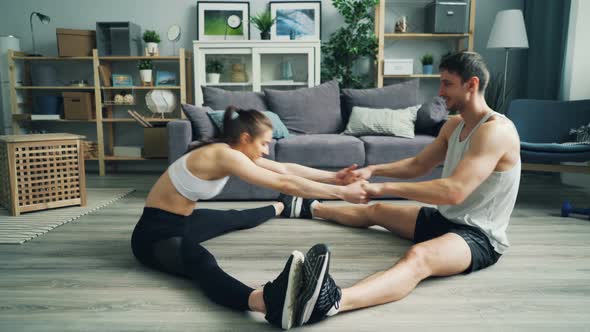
382, 121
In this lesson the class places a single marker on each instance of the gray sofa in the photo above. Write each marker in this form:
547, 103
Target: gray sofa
314, 148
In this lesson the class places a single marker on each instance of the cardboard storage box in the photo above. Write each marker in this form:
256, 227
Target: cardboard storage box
155, 142
78, 106
398, 67
75, 42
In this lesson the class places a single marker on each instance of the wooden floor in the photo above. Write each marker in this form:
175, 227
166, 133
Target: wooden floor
83, 277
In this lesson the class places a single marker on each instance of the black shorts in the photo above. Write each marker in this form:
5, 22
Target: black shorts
431, 224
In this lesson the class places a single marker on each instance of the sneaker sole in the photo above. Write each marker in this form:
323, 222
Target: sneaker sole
296, 207
293, 290
309, 295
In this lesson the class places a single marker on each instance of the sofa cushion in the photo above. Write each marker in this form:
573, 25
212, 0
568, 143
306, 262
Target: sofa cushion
309, 110
220, 99
202, 127
321, 150
394, 96
278, 128
366, 121
385, 149
430, 115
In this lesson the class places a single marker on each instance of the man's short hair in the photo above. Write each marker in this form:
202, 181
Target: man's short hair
467, 65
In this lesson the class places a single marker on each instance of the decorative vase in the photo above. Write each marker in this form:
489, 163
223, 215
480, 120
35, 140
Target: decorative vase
427, 69
146, 76
265, 35
238, 73
152, 49
213, 78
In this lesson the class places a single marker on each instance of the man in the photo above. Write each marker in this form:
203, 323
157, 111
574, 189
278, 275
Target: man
475, 197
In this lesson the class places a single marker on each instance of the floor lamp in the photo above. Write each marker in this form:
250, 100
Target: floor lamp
508, 32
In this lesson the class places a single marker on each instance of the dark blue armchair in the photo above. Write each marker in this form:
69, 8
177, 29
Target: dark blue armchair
543, 125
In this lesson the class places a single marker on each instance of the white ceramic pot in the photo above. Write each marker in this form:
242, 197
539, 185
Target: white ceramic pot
213, 78
152, 48
145, 75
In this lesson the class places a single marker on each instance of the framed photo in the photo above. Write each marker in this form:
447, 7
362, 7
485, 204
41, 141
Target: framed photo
122, 80
296, 20
223, 20
165, 78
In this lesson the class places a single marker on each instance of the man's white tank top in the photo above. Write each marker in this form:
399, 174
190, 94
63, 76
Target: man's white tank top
488, 207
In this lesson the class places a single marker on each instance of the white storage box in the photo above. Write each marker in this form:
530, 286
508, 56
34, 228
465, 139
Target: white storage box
398, 66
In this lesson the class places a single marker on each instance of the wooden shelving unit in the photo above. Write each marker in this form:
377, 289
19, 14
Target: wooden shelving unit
104, 123
460, 38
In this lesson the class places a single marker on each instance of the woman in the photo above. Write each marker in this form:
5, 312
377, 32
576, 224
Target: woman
170, 230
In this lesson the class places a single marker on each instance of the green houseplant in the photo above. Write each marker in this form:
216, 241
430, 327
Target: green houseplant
151, 39
352, 43
214, 69
145, 71
263, 21
427, 61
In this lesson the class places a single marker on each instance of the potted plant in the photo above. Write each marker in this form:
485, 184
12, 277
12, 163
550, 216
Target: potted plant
427, 61
214, 69
145, 71
352, 45
151, 39
263, 22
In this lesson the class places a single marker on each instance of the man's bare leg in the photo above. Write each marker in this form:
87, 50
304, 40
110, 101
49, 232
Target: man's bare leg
400, 220
446, 255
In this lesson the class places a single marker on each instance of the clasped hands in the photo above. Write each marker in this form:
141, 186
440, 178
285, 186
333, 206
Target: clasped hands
358, 189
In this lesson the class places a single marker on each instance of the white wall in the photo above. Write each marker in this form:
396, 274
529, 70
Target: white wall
576, 78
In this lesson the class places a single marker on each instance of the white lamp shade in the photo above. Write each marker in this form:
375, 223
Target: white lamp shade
508, 30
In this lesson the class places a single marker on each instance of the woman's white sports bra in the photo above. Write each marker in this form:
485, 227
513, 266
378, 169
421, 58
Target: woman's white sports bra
190, 186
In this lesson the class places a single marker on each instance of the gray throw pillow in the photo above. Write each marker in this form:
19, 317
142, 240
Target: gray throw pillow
401, 95
202, 127
382, 122
431, 114
220, 99
309, 110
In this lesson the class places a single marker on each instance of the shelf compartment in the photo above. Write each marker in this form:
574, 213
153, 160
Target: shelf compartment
53, 58
161, 87
425, 35
144, 57
23, 87
412, 76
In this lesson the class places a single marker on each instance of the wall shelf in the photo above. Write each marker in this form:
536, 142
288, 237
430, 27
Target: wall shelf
104, 122
459, 38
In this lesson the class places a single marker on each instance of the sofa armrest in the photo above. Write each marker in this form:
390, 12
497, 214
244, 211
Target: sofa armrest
180, 135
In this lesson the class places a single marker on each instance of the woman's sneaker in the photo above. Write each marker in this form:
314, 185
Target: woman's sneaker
320, 297
296, 207
280, 295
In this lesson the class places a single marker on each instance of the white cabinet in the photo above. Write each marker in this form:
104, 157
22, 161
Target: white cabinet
251, 65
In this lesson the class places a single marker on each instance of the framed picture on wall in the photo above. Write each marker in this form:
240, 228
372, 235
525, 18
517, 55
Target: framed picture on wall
223, 20
296, 20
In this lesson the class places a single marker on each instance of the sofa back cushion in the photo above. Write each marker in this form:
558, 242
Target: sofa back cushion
309, 110
220, 99
394, 96
201, 125
431, 115
382, 121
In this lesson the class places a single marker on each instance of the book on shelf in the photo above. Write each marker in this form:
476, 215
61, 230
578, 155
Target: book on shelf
45, 117
105, 75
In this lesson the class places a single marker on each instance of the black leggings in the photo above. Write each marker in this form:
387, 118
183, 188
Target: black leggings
170, 243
